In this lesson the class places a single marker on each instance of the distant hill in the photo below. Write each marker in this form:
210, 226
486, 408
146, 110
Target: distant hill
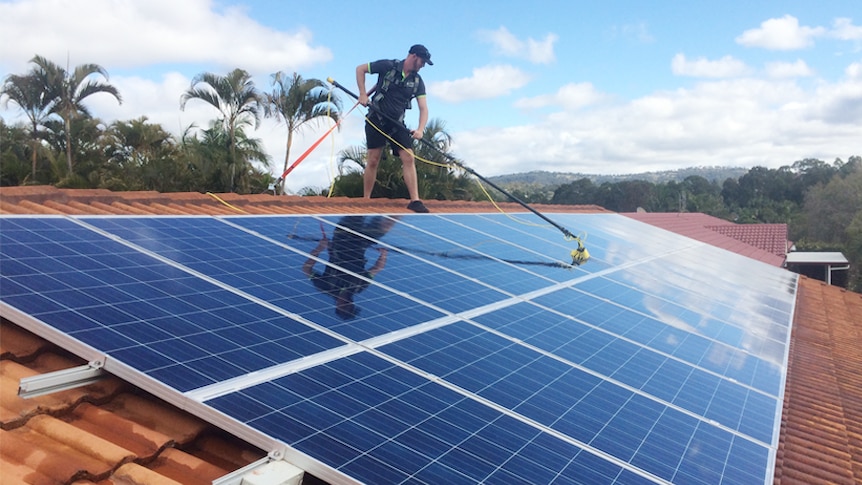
545, 179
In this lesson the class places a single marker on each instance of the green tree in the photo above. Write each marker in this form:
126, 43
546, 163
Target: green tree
626, 196
831, 208
579, 192
239, 103
670, 197
13, 157
812, 171
351, 165
853, 163
438, 178
390, 182
211, 163
764, 195
299, 102
141, 156
701, 195
87, 149
30, 93
69, 90
833, 217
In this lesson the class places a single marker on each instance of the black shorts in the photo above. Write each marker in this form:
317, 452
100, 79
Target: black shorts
397, 132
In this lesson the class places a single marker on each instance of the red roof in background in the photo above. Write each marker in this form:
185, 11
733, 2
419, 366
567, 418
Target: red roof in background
763, 242
69, 436
769, 237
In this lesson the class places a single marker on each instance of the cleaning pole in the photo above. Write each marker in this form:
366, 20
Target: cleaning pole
580, 255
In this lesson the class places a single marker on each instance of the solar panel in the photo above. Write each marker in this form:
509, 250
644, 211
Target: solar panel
429, 348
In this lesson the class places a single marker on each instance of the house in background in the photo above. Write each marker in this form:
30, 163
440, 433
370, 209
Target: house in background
831, 267
111, 432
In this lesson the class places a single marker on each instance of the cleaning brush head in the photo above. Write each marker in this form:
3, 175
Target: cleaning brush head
580, 255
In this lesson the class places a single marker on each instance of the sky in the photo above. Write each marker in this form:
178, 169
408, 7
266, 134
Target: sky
613, 87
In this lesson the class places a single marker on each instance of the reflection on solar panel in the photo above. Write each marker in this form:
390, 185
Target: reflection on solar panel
428, 348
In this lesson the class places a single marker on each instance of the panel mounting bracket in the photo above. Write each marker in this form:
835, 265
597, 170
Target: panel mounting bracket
61, 380
270, 469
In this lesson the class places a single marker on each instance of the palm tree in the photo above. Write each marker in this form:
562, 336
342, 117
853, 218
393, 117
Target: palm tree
208, 158
69, 90
234, 96
299, 101
29, 93
141, 156
438, 179
13, 154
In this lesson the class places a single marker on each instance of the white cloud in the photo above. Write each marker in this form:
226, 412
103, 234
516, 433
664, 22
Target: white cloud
843, 28
639, 31
779, 70
506, 44
486, 82
741, 122
840, 104
570, 97
783, 33
130, 34
725, 67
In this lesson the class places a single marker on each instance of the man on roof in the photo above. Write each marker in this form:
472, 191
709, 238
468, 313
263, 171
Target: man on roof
398, 82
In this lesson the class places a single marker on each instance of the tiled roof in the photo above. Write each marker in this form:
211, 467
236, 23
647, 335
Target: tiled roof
113, 433
105, 433
769, 237
763, 242
821, 425
50, 200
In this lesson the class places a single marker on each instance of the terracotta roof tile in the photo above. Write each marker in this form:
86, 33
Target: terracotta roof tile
137, 474
19, 344
59, 450
769, 237
181, 427
222, 450
821, 429
751, 240
50, 200
187, 469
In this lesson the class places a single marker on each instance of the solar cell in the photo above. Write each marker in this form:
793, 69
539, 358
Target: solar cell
427, 349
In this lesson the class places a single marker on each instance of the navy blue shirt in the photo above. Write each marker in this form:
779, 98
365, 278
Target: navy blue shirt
394, 98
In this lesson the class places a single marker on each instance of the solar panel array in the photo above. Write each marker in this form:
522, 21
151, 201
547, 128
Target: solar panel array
429, 348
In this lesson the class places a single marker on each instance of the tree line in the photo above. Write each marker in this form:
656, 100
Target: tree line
821, 203
63, 144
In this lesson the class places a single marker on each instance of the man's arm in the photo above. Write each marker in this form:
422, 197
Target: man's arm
423, 117
308, 266
380, 263
361, 71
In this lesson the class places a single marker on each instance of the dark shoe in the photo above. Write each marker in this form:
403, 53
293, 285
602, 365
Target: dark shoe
417, 206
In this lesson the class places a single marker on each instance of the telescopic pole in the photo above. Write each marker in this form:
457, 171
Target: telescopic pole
579, 256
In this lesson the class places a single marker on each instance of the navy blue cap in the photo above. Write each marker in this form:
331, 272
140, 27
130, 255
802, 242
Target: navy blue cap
422, 52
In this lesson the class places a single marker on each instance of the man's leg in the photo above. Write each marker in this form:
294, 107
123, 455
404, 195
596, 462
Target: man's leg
372, 161
408, 162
